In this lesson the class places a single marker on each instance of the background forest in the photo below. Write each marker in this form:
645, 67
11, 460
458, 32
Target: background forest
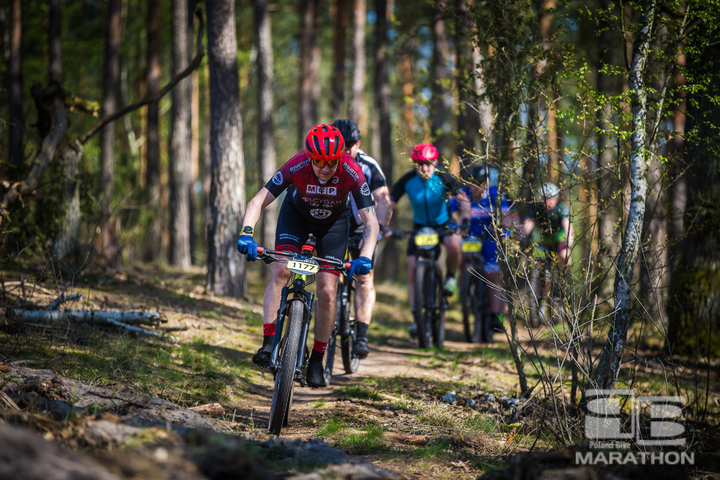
617, 102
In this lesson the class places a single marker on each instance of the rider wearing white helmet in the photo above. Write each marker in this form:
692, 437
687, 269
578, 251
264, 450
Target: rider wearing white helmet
551, 216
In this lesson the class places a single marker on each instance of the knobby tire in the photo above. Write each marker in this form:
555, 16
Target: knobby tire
422, 312
438, 310
284, 380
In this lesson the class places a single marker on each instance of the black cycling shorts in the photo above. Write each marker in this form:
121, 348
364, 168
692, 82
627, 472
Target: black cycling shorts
292, 232
442, 230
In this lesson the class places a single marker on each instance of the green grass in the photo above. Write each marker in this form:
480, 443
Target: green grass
437, 415
358, 391
433, 449
481, 423
331, 427
372, 440
319, 404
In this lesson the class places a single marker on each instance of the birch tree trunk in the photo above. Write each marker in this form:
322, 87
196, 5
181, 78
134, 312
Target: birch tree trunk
226, 272
15, 93
153, 237
357, 101
180, 166
609, 364
266, 144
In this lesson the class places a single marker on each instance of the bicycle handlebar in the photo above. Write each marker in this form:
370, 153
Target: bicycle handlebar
266, 253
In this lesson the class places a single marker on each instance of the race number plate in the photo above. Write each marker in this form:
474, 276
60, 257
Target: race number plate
303, 266
426, 240
471, 246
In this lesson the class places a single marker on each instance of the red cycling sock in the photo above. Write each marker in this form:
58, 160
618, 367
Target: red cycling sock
269, 329
320, 347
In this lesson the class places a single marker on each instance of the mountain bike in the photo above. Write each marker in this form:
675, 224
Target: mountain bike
344, 323
289, 353
429, 299
477, 319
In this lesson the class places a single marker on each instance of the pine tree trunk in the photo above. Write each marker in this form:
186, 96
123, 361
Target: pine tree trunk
107, 244
55, 70
309, 66
153, 238
611, 357
266, 144
467, 120
180, 166
226, 272
15, 91
694, 304
337, 101
438, 76
357, 102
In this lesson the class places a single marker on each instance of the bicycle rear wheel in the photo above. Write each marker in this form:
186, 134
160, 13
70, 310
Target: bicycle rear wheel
284, 379
423, 313
438, 310
347, 331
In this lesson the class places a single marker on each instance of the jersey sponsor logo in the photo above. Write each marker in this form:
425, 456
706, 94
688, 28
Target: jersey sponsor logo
299, 166
318, 190
350, 171
365, 189
335, 180
277, 179
320, 213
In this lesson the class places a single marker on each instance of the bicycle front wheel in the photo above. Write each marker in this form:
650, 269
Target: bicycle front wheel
284, 379
438, 310
423, 312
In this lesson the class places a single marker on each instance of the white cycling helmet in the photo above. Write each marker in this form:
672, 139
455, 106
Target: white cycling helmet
546, 190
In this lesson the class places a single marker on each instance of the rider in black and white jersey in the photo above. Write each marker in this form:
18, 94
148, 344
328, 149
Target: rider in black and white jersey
365, 289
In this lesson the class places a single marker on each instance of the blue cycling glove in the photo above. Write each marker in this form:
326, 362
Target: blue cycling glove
361, 266
248, 246
452, 226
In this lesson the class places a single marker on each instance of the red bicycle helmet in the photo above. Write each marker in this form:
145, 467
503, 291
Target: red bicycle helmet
424, 152
324, 143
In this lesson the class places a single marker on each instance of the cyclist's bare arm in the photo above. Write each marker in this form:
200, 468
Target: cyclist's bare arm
528, 226
384, 204
372, 228
255, 207
463, 212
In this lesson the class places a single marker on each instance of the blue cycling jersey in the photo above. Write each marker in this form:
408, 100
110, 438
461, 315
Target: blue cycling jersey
428, 198
483, 215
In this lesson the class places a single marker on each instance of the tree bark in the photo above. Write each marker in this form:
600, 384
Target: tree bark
108, 248
438, 77
337, 101
180, 166
226, 272
55, 70
611, 357
266, 144
153, 237
15, 93
309, 66
193, 132
357, 102
694, 306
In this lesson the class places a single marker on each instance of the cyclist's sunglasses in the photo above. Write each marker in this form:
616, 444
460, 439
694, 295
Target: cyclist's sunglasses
423, 162
321, 163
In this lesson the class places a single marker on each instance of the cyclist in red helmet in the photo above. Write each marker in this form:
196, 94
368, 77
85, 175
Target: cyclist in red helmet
429, 189
320, 180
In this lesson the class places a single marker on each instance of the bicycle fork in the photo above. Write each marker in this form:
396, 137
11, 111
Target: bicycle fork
282, 315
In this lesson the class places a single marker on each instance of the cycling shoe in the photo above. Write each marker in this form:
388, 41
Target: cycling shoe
315, 373
413, 331
262, 357
360, 348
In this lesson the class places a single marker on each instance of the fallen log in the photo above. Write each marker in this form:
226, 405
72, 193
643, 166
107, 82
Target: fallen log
48, 316
62, 299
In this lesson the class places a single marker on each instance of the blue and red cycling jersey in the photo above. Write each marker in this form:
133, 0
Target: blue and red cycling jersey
317, 203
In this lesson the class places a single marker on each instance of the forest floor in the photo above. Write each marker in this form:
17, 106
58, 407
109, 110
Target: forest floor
439, 414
